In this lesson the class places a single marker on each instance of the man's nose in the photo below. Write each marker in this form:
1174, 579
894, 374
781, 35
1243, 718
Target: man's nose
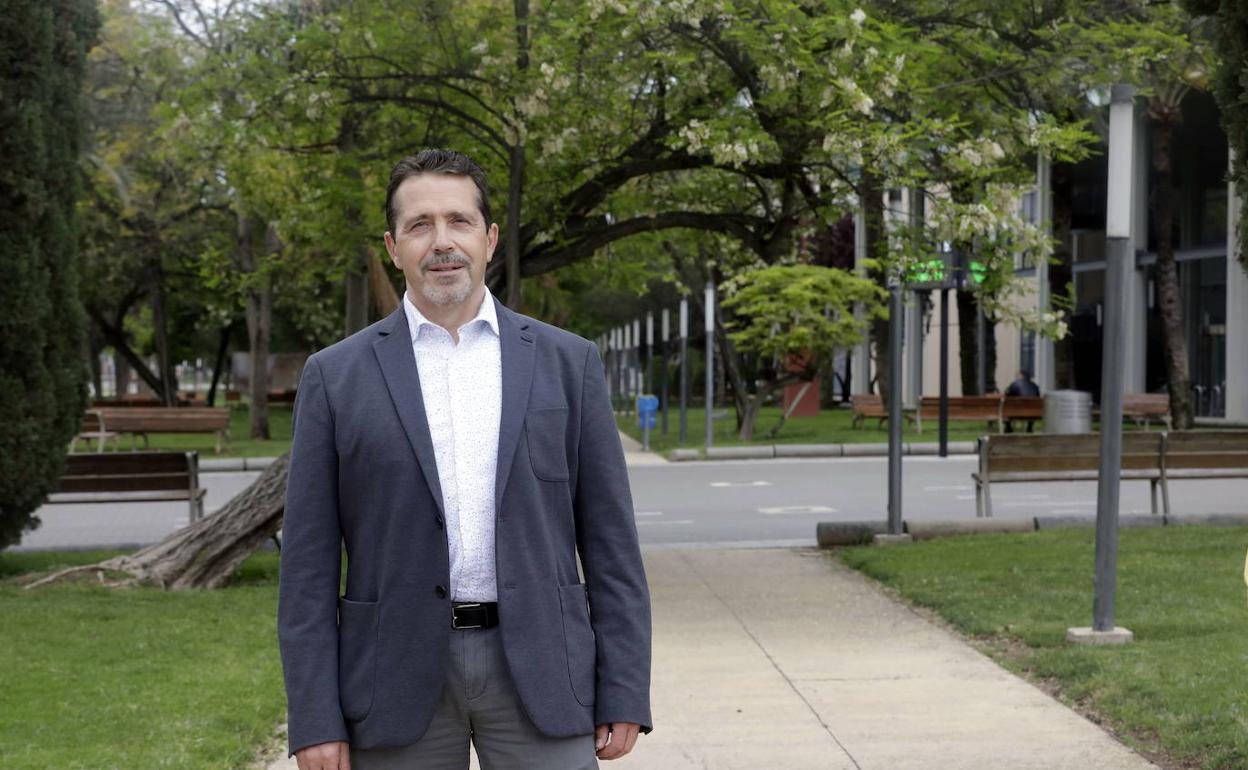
442, 237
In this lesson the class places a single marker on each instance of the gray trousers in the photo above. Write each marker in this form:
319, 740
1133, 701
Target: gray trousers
479, 703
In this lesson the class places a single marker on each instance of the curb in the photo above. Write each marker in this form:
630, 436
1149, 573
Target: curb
769, 451
834, 533
234, 464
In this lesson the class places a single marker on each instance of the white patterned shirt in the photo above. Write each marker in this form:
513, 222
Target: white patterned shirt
462, 387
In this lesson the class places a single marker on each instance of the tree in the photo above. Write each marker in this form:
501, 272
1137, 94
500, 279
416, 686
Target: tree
793, 317
1229, 22
42, 374
1170, 80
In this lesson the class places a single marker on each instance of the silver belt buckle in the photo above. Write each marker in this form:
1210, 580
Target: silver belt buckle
455, 618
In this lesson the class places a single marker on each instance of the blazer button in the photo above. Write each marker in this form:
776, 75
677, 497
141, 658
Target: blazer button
440, 591
439, 521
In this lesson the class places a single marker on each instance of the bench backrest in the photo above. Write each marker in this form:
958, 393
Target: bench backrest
129, 471
1145, 403
91, 422
1022, 406
866, 402
1207, 449
191, 419
963, 407
1016, 453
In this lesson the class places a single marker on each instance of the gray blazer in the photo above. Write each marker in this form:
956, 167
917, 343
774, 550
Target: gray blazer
368, 667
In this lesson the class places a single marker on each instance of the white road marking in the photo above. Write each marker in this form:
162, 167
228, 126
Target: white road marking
792, 509
648, 513
951, 488
669, 521
1042, 503
740, 483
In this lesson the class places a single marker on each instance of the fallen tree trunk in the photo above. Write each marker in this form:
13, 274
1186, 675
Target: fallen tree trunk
206, 553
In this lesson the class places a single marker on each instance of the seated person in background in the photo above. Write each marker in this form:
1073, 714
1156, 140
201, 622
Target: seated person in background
1022, 386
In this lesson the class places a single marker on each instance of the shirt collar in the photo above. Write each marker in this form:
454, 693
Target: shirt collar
486, 312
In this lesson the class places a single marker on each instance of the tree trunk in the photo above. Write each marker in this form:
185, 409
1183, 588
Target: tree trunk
259, 311
873, 210
1169, 297
206, 553
121, 374
515, 176
385, 300
355, 314
218, 365
93, 348
968, 342
1061, 270
990, 355
259, 320
168, 391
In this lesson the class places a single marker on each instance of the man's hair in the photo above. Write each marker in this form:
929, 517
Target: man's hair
434, 161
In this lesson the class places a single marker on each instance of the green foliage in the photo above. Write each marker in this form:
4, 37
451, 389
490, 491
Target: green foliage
41, 320
798, 311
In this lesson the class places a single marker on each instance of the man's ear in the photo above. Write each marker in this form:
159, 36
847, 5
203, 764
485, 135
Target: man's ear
491, 241
390, 249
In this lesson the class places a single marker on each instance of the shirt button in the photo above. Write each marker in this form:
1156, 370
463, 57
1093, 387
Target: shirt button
440, 591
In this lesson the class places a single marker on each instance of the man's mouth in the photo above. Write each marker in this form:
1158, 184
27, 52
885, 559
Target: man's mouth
445, 267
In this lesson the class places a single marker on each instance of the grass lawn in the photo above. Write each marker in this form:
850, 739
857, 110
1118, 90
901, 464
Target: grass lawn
137, 678
1179, 689
830, 426
240, 445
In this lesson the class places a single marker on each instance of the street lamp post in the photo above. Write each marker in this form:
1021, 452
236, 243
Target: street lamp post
1117, 258
665, 353
894, 405
684, 369
710, 361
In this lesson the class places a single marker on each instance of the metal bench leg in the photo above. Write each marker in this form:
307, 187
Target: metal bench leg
979, 500
987, 501
1165, 496
1152, 494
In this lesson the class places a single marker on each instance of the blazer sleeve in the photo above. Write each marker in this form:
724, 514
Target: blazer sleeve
606, 533
307, 614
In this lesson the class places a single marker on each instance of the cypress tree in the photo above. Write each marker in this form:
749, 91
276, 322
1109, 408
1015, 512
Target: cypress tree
43, 50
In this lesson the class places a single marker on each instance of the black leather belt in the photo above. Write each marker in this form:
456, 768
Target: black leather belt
466, 615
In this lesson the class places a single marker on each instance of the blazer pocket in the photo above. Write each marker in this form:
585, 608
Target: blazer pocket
357, 657
545, 430
578, 637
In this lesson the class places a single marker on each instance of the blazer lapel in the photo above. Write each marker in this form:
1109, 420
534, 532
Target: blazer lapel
398, 367
516, 344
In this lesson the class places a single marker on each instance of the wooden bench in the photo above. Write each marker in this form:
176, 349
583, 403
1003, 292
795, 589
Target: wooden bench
93, 429
131, 477
1146, 407
1029, 408
1063, 457
975, 408
867, 405
140, 421
1203, 454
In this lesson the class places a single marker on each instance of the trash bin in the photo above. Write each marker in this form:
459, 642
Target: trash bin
1068, 411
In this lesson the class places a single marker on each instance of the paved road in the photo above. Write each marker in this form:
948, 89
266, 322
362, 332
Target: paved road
746, 502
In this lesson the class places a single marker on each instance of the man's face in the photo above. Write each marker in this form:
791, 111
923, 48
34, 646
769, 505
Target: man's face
440, 239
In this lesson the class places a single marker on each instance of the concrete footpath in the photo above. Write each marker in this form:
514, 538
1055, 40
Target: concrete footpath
783, 658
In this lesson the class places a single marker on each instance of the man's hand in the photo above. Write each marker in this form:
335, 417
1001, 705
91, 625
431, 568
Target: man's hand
324, 756
614, 740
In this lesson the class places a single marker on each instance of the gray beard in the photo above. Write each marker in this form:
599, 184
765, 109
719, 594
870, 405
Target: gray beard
446, 295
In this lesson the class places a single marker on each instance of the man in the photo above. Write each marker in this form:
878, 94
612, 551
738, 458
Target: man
1021, 386
465, 455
